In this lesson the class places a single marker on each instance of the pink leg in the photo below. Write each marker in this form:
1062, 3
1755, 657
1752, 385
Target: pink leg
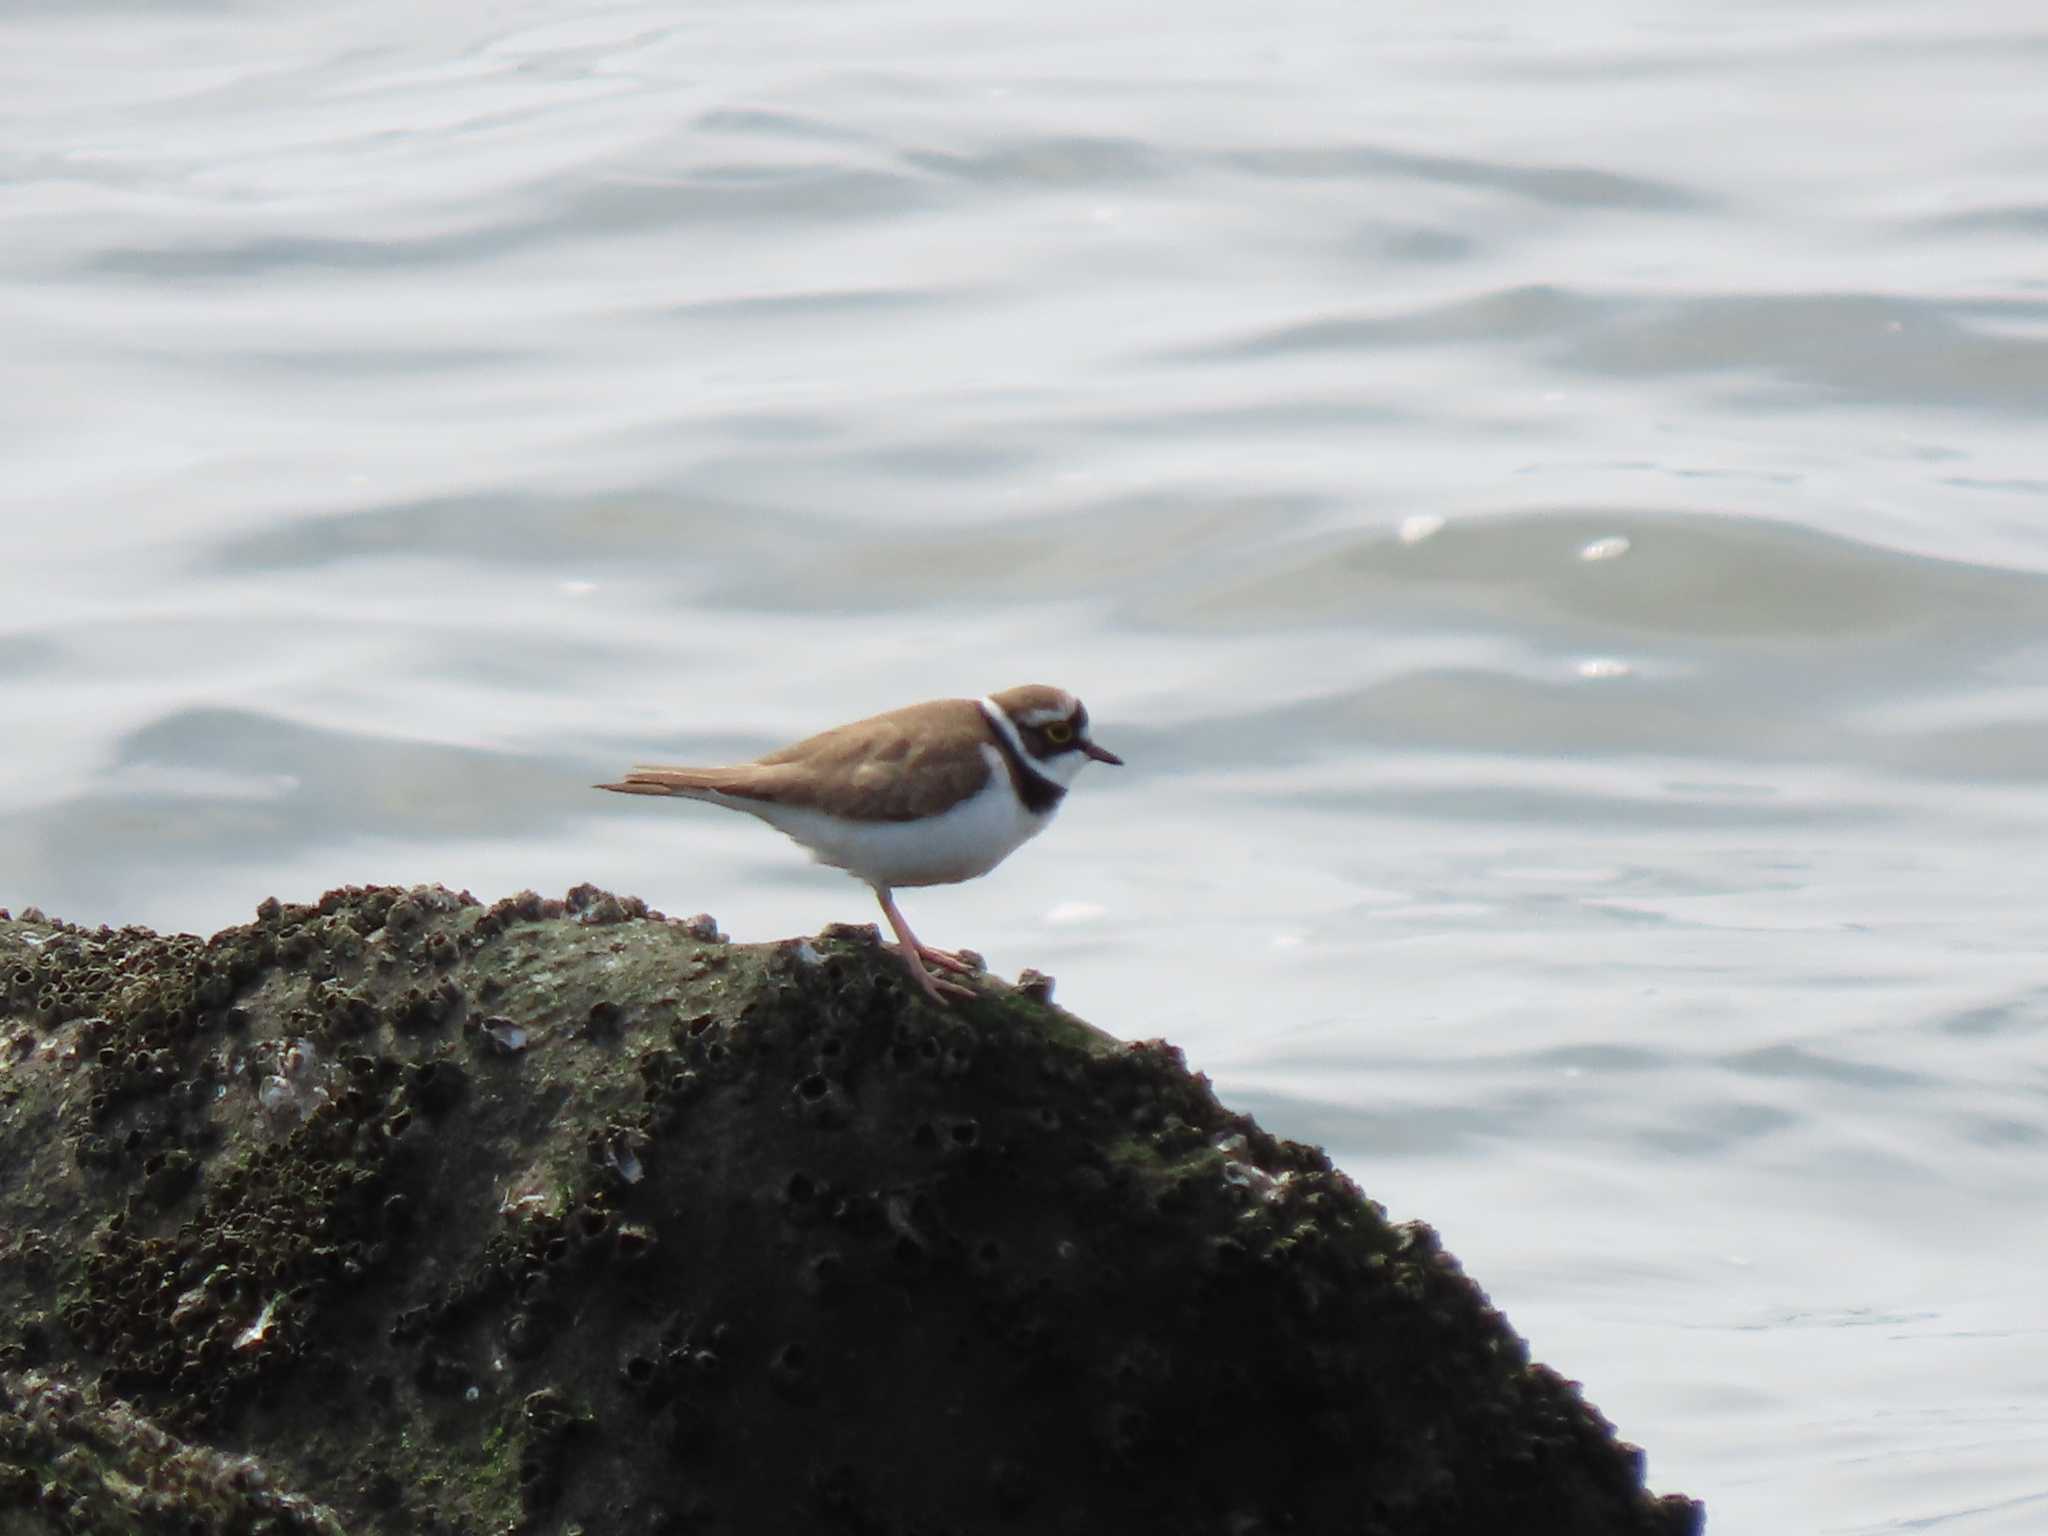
915, 954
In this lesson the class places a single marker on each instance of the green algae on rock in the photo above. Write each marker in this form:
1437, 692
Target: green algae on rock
557, 1215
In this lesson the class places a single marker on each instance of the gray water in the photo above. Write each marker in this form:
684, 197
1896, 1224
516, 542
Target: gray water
1551, 502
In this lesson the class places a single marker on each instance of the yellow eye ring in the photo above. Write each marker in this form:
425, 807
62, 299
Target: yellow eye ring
1059, 733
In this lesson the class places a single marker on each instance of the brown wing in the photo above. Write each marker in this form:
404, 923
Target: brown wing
899, 766
907, 763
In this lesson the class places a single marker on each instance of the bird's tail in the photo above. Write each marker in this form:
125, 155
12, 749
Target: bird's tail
694, 783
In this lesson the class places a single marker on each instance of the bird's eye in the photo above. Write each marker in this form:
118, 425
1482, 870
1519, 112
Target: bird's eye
1059, 733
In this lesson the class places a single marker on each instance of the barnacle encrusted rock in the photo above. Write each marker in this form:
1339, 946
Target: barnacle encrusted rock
398, 1213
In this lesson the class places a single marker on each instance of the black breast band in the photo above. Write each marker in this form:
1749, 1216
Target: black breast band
1040, 795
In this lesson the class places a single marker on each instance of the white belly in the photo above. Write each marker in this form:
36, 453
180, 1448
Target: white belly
969, 840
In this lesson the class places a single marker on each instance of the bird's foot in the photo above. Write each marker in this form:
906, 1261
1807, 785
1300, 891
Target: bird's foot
949, 960
937, 988
914, 954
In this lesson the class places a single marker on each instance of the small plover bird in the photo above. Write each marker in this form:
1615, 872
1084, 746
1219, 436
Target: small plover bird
930, 794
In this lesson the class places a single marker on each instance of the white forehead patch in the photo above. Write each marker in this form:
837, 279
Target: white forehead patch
1064, 710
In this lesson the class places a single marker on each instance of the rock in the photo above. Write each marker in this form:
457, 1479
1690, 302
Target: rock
735, 1239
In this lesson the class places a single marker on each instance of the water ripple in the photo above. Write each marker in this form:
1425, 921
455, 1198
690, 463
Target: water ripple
1778, 351
1565, 186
